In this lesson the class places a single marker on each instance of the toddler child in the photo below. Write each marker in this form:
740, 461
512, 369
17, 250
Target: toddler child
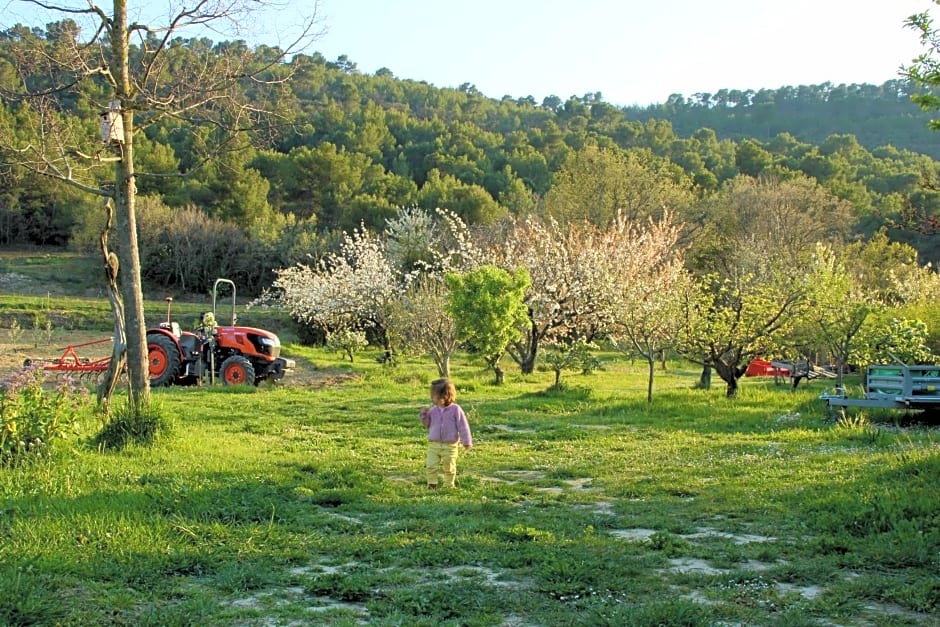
447, 427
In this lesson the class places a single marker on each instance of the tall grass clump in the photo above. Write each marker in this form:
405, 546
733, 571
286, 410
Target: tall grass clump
127, 425
33, 417
26, 599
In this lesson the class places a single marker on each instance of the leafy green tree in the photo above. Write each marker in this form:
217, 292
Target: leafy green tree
657, 135
604, 185
488, 305
530, 164
159, 167
229, 189
322, 180
924, 70
751, 158
40, 211
516, 197
728, 321
890, 271
894, 341
839, 306
370, 135
927, 311
756, 222
750, 257
717, 156
471, 202
365, 210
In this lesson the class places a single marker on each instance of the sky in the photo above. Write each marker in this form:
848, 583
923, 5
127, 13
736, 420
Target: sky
634, 52
631, 51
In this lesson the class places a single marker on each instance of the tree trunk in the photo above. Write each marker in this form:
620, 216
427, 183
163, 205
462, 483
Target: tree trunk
705, 379
494, 364
125, 192
526, 351
500, 376
388, 357
443, 366
730, 375
651, 362
109, 381
841, 360
138, 373
732, 390
527, 365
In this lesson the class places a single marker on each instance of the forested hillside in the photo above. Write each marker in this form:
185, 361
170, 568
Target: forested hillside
346, 148
877, 115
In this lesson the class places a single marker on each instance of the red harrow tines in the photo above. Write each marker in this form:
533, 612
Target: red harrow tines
70, 363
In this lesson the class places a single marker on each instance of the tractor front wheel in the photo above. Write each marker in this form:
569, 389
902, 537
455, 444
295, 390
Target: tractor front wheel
164, 359
237, 370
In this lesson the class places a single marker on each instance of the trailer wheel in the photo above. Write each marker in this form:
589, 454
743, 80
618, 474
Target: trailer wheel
164, 359
237, 370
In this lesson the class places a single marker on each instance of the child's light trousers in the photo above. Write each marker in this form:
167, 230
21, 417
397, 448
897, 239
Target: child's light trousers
441, 465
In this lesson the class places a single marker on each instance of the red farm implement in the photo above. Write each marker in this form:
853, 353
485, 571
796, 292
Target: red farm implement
70, 362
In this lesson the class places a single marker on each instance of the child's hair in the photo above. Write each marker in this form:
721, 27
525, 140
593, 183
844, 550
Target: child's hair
444, 389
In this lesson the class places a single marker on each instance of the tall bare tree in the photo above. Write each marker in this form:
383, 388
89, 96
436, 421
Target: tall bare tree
134, 74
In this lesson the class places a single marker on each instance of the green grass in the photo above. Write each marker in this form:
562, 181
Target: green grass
37, 271
293, 505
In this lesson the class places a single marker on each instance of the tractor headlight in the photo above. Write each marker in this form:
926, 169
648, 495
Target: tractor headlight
271, 346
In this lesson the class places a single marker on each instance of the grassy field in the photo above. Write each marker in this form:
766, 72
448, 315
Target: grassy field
299, 505
305, 504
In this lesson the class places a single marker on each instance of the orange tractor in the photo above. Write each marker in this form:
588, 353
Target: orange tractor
234, 354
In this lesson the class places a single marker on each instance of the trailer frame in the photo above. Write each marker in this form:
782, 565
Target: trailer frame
896, 386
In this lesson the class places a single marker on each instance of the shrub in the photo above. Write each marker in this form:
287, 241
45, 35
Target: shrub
129, 425
32, 417
559, 356
347, 342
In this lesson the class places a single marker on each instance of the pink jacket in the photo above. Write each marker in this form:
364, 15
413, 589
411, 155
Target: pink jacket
447, 424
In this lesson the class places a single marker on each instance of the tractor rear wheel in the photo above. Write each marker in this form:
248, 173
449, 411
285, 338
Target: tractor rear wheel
237, 370
164, 359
